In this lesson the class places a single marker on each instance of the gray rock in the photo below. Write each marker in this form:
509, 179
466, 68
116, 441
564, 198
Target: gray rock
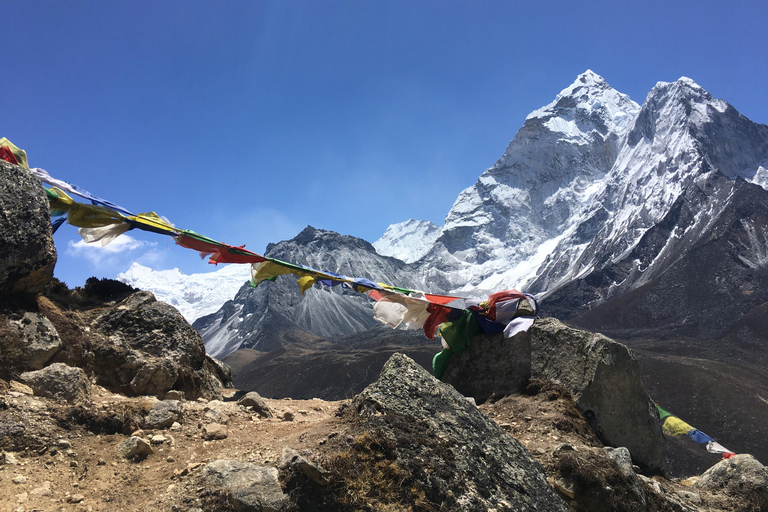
40, 339
294, 460
217, 416
257, 404
134, 448
250, 488
603, 378
491, 365
222, 370
27, 251
151, 349
741, 474
60, 382
163, 414
446, 444
624, 461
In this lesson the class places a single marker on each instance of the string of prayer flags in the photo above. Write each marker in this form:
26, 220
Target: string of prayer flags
43, 176
101, 224
674, 426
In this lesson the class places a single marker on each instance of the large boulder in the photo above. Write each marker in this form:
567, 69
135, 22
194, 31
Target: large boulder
604, 379
27, 252
60, 382
250, 488
455, 456
491, 365
39, 338
741, 475
150, 349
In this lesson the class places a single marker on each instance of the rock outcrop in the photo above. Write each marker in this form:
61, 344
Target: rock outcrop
126, 342
602, 376
491, 365
27, 252
741, 475
457, 456
604, 380
151, 349
250, 487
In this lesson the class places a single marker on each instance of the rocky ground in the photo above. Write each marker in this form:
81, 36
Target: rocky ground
67, 457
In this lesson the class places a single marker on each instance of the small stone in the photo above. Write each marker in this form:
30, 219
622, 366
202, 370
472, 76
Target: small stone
562, 447
18, 387
288, 416
174, 395
564, 488
138, 433
254, 402
176, 426
134, 448
75, 498
214, 431
73, 464
217, 416
101, 462
63, 444
9, 458
158, 439
44, 490
170, 459
19, 480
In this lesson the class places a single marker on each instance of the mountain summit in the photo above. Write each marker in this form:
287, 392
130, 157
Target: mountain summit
500, 230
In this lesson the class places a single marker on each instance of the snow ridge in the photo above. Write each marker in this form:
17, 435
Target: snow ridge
194, 295
408, 241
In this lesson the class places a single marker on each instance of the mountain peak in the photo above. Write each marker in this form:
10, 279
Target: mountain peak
590, 76
588, 96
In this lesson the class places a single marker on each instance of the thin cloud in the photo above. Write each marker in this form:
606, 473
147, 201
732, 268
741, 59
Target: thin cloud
113, 255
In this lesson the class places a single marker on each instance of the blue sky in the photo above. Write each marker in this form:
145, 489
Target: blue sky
248, 120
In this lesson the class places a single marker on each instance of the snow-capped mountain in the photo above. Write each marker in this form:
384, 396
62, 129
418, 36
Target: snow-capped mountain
408, 241
193, 295
276, 313
500, 230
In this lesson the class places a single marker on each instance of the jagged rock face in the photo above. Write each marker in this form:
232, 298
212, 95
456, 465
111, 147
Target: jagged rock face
27, 252
448, 445
604, 380
719, 280
276, 313
662, 195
